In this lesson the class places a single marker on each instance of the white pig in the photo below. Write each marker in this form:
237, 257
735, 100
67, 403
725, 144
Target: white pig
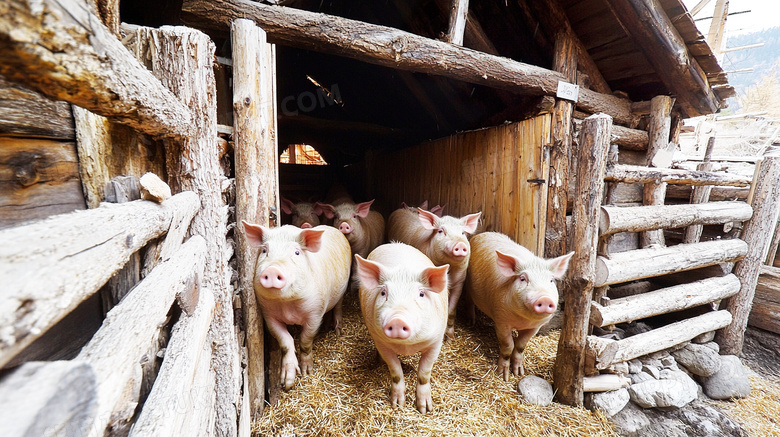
403, 297
516, 289
443, 239
300, 274
304, 214
364, 228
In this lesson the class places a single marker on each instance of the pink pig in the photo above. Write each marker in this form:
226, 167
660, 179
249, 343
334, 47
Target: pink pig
304, 214
516, 289
403, 297
363, 227
443, 239
300, 274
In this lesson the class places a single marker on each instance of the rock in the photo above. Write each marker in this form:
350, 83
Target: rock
652, 371
610, 402
153, 188
535, 390
631, 421
669, 362
730, 381
704, 338
634, 366
696, 419
637, 328
698, 359
617, 369
640, 377
675, 392
712, 345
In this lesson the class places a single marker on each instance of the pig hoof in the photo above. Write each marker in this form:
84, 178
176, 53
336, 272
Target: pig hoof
397, 399
424, 399
307, 366
504, 370
288, 376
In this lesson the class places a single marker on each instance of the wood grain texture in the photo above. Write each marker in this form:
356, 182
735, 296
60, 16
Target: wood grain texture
25, 113
638, 218
658, 143
632, 174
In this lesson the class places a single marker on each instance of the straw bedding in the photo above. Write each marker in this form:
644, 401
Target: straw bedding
349, 392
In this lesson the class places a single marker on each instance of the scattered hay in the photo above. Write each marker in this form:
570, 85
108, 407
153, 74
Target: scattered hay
349, 392
759, 413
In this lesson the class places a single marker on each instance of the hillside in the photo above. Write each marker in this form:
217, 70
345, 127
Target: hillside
762, 59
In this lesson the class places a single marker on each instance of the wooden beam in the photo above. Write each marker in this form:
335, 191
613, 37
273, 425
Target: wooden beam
719, 193
699, 6
600, 383
394, 48
647, 263
646, 22
569, 367
658, 155
25, 113
60, 49
39, 262
640, 218
757, 234
633, 174
626, 138
701, 194
765, 311
459, 10
716, 37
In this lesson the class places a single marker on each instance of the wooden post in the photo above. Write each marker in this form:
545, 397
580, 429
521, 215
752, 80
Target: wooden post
660, 126
565, 62
459, 10
701, 194
256, 179
757, 234
193, 164
592, 158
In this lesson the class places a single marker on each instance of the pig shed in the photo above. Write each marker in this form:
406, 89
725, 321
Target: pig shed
115, 309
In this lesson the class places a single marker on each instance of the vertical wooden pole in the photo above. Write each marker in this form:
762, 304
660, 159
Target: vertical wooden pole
459, 10
716, 37
568, 373
564, 61
256, 181
658, 132
757, 234
701, 194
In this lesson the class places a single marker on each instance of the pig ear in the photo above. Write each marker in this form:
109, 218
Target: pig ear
471, 221
558, 266
427, 219
436, 277
311, 239
287, 205
404, 205
317, 209
368, 272
328, 210
438, 210
254, 233
507, 264
364, 208
424, 205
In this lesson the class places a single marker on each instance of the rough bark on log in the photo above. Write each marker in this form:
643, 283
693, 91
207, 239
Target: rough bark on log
591, 163
638, 218
670, 335
167, 408
658, 141
117, 349
60, 49
38, 262
395, 49
604, 383
718, 193
459, 10
633, 174
597, 351
48, 398
626, 138
663, 301
757, 235
25, 113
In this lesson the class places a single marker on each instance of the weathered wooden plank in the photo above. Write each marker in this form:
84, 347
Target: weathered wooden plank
601, 383
459, 10
25, 113
593, 149
663, 301
60, 49
656, 261
48, 267
626, 138
657, 156
757, 234
632, 174
701, 194
48, 398
38, 178
167, 408
638, 218
117, 349
765, 315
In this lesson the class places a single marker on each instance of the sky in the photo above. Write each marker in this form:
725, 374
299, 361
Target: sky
764, 13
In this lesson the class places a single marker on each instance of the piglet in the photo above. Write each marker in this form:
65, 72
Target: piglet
363, 227
403, 297
443, 239
300, 274
516, 289
305, 215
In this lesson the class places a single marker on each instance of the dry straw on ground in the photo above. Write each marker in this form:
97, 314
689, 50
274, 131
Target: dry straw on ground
348, 394
759, 413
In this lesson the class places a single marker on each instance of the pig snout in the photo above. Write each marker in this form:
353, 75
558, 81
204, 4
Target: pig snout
544, 305
345, 228
272, 277
306, 226
397, 328
460, 249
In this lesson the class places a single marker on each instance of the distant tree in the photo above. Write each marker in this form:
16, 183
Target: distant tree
763, 96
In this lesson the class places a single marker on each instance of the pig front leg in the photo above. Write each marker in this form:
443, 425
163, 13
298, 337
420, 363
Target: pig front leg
397, 387
455, 291
287, 346
506, 346
517, 354
424, 368
308, 331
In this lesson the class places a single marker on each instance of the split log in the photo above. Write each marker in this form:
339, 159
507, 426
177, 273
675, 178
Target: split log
757, 235
48, 267
459, 10
168, 406
604, 383
649, 262
48, 398
591, 163
598, 351
395, 49
663, 301
60, 49
638, 218
670, 335
658, 143
626, 138
765, 312
632, 174
701, 194
25, 113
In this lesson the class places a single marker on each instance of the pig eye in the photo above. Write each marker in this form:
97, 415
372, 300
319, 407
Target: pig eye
297, 252
422, 292
440, 231
264, 250
522, 278
383, 292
